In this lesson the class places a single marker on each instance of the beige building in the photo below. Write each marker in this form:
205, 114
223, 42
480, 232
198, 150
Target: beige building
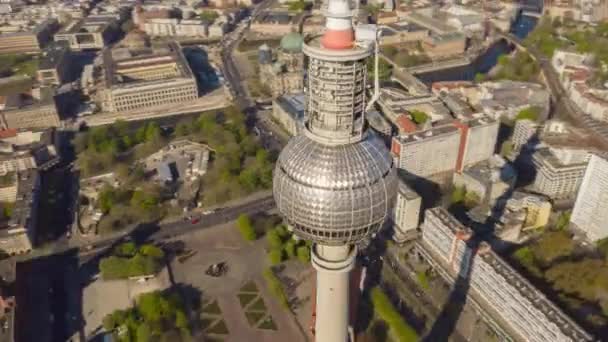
28, 41
146, 78
402, 32
406, 214
35, 110
92, 32
54, 66
275, 23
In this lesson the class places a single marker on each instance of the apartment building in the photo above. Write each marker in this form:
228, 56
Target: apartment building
406, 213
446, 148
590, 212
559, 171
17, 235
92, 32
507, 297
146, 78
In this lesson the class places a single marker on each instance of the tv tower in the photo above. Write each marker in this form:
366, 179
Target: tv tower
335, 182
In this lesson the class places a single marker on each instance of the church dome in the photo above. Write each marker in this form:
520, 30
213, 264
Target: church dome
292, 42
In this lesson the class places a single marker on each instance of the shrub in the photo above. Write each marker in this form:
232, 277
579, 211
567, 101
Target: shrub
399, 329
245, 227
275, 256
290, 248
303, 253
274, 239
275, 287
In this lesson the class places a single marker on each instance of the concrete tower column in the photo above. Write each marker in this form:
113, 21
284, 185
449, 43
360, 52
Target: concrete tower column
333, 265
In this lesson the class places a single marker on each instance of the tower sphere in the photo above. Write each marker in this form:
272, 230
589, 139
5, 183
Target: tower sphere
334, 195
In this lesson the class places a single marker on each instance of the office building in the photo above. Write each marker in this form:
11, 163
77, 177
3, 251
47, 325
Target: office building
507, 297
489, 179
146, 78
92, 32
590, 213
406, 213
559, 171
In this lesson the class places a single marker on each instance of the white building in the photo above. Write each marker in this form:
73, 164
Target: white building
590, 213
406, 214
524, 134
522, 310
559, 172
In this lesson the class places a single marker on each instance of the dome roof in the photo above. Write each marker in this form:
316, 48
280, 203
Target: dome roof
292, 42
334, 194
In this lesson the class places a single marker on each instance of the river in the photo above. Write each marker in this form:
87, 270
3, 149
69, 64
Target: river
484, 63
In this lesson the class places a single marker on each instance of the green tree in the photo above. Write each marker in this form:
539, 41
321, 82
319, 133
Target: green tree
290, 248
275, 256
282, 231
419, 117
143, 200
458, 194
245, 227
127, 249
297, 5
563, 220
303, 253
552, 246
106, 199
530, 113
479, 77
181, 321
274, 239
143, 333
153, 132
182, 129
209, 16
152, 251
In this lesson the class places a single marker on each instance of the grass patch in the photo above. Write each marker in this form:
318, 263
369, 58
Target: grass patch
250, 287
398, 328
268, 324
276, 287
423, 280
212, 308
206, 322
254, 317
246, 298
219, 329
258, 305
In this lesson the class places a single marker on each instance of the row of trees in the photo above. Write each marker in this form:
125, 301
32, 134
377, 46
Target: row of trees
130, 261
156, 316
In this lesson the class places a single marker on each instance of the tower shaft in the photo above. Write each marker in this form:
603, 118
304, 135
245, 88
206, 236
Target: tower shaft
333, 265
